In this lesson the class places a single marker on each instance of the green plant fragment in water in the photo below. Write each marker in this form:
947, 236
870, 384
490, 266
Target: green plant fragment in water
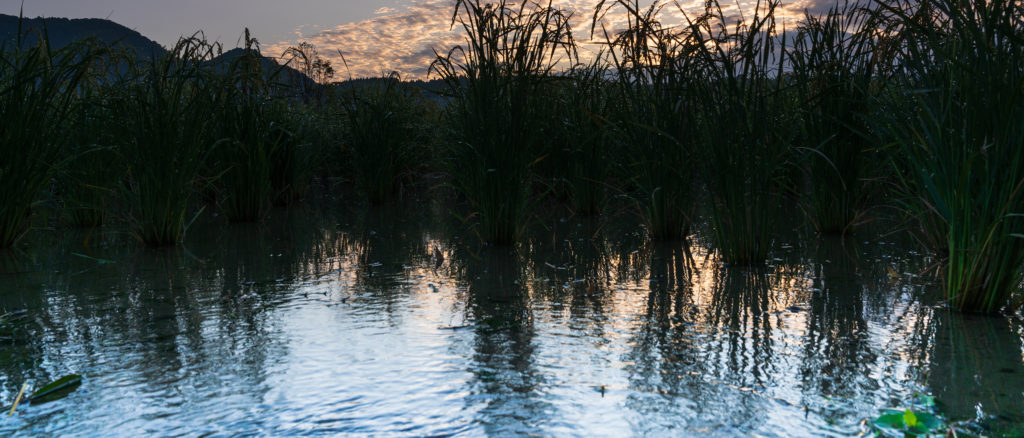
913, 423
57, 389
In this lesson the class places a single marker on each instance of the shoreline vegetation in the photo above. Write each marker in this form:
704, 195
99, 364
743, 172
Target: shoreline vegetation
889, 109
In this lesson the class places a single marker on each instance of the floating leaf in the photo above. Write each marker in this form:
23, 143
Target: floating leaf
927, 422
909, 418
909, 421
57, 389
890, 420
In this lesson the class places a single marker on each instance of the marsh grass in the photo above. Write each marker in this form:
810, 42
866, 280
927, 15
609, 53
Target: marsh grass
746, 128
384, 135
87, 182
832, 66
719, 106
586, 105
496, 81
35, 105
245, 153
960, 142
86, 187
306, 139
656, 114
164, 112
294, 158
246, 135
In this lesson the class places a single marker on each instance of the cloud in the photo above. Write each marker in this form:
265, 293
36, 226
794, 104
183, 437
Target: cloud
404, 40
398, 40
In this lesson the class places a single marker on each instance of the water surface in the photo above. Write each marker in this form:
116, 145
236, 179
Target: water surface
325, 321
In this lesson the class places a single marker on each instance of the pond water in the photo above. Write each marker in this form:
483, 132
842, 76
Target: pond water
326, 321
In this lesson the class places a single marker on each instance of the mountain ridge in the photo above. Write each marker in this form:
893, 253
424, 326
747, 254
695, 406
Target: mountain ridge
64, 31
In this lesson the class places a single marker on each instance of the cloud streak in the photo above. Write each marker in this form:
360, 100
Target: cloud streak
404, 39
399, 40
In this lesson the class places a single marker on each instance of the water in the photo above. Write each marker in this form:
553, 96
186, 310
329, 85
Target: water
326, 321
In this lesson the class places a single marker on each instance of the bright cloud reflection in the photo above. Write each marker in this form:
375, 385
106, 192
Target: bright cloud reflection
403, 39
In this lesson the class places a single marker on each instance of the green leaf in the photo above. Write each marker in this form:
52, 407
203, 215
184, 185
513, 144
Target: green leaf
929, 421
909, 418
57, 389
890, 420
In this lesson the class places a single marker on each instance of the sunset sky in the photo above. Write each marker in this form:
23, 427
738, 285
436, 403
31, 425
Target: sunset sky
375, 36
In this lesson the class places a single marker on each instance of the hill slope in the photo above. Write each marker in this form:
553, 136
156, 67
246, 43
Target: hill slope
63, 31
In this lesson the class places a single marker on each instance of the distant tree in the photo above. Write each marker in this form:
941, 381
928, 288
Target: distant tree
316, 70
305, 58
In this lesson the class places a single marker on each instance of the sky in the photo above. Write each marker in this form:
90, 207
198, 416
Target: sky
375, 36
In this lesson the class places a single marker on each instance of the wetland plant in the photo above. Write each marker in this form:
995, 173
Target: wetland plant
959, 141
86, 186
832, 67
656, 115
746, 128
35, 105
587, 108
246, 135
165, 112
304, 135
496, 79
580, 155
383, 135
87, 182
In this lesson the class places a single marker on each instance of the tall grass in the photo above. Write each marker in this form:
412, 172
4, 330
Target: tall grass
496, 79
960, 140
383, 134
746, 127
832, 64
246, 135
587, 129
164, 114
35, 101
656, 113
306, 138
86, 185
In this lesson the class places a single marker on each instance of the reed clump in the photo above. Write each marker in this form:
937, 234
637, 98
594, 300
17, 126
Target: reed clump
711, 114
303, 137
656, 114
496, 81
959, 140
246, 135
165, 112
586, 135
832, 69
384, 135
36, 97
745, 128
85, 186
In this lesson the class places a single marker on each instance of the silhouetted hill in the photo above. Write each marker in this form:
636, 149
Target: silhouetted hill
63, 31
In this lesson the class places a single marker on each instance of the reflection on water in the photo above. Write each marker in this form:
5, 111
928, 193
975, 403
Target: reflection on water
981, 370
325, 321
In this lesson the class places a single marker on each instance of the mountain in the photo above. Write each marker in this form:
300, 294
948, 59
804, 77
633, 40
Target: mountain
64, 31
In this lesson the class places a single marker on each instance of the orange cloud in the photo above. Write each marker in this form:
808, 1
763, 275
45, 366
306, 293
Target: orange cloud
404, 39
